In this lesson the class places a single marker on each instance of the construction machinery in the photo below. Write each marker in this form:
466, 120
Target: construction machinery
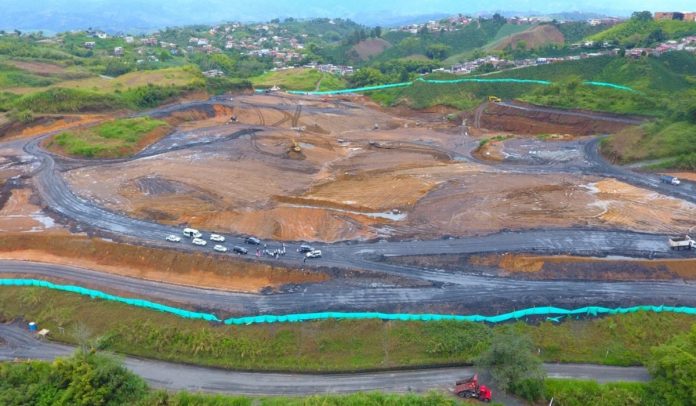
494, 99
683, 242
295, 147
470, 389
670, 180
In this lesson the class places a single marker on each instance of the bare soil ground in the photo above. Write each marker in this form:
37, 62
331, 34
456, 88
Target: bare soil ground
502, 118
541, 267
49, 123
39, 68
19, 214
215, 272
371, 47
534, 37
537, 267
362, 173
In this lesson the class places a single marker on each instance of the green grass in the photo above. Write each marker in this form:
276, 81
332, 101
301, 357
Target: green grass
299, 79
634, 32
11, 76
330, 345
581, 393
675, 140
356, 399
109, 140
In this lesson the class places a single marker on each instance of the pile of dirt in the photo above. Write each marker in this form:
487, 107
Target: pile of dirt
370, 47
165, 265
529, 120
533, 38
47, 123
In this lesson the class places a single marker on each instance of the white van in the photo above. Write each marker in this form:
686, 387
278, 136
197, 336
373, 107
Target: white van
192, 233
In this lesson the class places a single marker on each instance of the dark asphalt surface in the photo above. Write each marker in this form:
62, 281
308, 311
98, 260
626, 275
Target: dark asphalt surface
20, 344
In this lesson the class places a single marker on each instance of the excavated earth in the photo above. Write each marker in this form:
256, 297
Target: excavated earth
501, 117
363, 173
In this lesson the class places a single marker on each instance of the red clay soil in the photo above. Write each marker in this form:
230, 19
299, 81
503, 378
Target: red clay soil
568, 267
534, 37
207, 271
502, 118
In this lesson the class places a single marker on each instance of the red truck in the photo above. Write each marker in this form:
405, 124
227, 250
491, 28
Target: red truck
470, 389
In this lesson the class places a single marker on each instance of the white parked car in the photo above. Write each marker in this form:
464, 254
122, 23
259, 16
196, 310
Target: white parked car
220, 248
198, 241
313, 254
217, 238
173, 238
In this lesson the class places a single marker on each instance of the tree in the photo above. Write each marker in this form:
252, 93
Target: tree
673, 367
378, 31
437, 51
642, 16
512, 365
367, 77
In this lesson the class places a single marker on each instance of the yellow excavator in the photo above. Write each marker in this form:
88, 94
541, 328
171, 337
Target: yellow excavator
295, 147
494, 99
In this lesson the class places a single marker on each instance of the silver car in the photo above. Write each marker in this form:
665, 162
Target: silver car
173, 238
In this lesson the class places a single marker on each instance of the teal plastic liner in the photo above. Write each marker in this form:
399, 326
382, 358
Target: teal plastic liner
105, 296
450, 81
552, 313
590, 311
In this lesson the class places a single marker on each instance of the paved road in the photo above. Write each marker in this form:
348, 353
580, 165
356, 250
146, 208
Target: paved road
19, 344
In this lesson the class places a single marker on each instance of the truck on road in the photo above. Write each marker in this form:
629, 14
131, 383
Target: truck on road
682, 243
670, 180
470, 389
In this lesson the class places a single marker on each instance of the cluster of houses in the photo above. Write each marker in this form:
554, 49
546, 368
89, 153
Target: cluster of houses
458, 22
687, 44
684, 44
331, 68
675, 15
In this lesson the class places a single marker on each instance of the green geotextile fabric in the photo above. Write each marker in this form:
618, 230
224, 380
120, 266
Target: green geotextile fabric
452, 81
552, 313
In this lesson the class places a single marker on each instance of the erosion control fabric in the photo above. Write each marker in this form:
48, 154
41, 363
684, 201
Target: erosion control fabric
557, 312
453, 81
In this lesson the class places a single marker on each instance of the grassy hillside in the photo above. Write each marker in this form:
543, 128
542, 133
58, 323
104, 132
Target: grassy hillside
643, 32
299, 79
472, 36
330, 345
534, 37
113, 139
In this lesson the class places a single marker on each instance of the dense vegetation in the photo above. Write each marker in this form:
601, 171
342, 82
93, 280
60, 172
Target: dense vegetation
325, 346
643, 30
84, 379
112, 139
90, 379
305, 79
510, 353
